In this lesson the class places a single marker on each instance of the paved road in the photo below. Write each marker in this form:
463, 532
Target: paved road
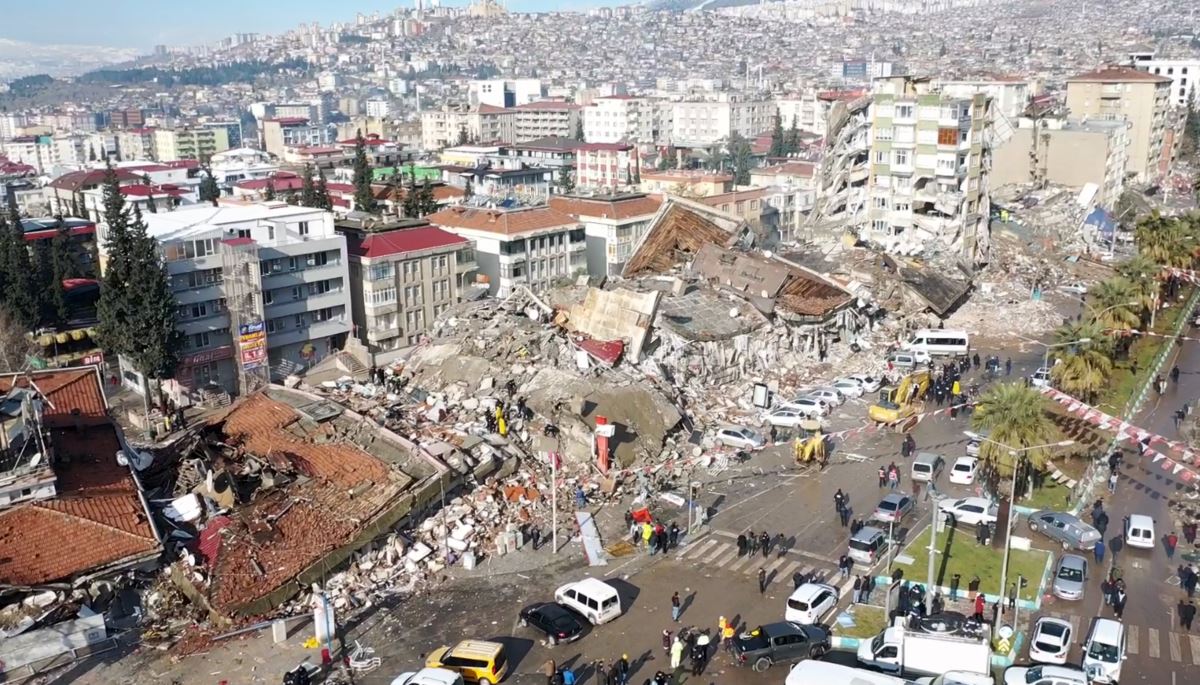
1160, 651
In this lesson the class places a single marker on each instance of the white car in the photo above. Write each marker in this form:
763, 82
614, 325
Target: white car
810, 602
1044, 675
429, 676
849, 387
1074, 288
1040, 378
808, 405
964, 470
1051, 641
740, 437
869, 383
788, 418
826, 394
969, 510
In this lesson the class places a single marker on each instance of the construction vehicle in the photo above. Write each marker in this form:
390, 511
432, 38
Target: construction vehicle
901, 402
804, 451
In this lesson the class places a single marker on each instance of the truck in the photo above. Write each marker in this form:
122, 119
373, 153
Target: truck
901, 401
906, 651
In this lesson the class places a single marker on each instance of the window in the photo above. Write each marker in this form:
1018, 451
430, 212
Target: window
384, 296
881, 203
270, 232
268, 297
414, 320
199, 248
317, 259
884, 134
380, 272
902, 207
274, 325
412, 270
881, 157
904, 111
879, 225
303, 228
297, 293
299, 321
196, 341
205, 374
947, 136
441, 289
900, 157
325, 314
412, 295
319, 288
243, 233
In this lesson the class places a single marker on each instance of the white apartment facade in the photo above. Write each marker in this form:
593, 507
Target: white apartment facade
607, 166
299, 285
530, 246
708, 122
613, 119
505, 93
1010, 95
1182, 72
537, 120
613, 225
481, 124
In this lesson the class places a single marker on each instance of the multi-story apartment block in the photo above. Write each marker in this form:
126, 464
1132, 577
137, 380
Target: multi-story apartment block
613, 225
708, 122
127, 118
553, 153
136, 143
1182, 72
233, 131
280, 134
607, 166
530, 246
46, 153
479, 124
615, 119
928, 176
546, 120
171, 145
1142, 99
243, 268
689, 182
505, 93
1010, 94
403, 275
1068, 152
11, 123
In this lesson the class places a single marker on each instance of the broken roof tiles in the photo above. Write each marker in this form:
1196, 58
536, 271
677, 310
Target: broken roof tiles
681, 228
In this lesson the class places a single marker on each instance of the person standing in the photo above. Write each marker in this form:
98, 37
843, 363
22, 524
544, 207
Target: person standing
839, 500
1112, 482
741, 544
752, 541
764, 542
673, 536
568, 676
1008, 366
980, 604
727, 637
1119, 603
762, 580
1099, 551
870, 587
1172, 540
676, 607
1187, 613
647, 536
954, 580
856, 595
666, 641
676, 654
844, 515
623, 670
882, 477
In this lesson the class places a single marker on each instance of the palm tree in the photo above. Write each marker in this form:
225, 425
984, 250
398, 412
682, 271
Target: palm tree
1115, 301
1144, 275
1014, 415
1166, 241
1082, 369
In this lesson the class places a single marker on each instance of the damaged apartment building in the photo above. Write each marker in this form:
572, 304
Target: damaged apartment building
906, 170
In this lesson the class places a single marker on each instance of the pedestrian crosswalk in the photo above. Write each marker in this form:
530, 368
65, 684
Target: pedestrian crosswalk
1154, 643
719, 553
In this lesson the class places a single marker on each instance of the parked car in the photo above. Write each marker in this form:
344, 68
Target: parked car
927, 466
1064, 528
429, 676
478, 661
1139, 531
868, 383
893, 508
810, 602
740, 437
1051, 641
1040, 378
964, 470
975, 442
809, 405
1070, 577
1044, 675
907, 361
827, 394
788, 418
1074, 288
868, 545
779, 643
849, 387
559, 623
969, 511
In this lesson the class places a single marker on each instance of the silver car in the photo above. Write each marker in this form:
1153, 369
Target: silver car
1070, 577
893, 508
1064, 528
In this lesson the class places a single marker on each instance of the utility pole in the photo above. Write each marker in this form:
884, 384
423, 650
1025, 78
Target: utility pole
932, 544
554, 502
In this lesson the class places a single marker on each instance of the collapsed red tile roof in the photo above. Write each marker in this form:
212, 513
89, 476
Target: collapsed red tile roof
97, 518
401, 241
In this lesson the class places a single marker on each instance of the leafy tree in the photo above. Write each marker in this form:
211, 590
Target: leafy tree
579, 129
778, 142
16, 347
565, 181
1115, 304
308, 191
468, 191
21, 297
463, 138
269, 189
209, 190
321, 193
742, 157
670, 160
1013, 415
364, 198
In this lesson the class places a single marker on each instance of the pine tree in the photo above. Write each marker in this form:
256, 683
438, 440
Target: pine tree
426, 202
154, 311
742, 157
463, 138
91, 152
778, 146
792, 140
21, 296
114, 307
565, 181
410, 205
209, 190
6, 273
579, 129
321, 194
468, 191
308, 191
151, 204
364, 199
52, 303
269, 189
65, 256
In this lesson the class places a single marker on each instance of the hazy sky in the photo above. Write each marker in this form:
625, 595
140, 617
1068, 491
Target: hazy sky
144, 23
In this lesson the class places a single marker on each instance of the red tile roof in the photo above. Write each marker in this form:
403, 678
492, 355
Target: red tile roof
1115, 74
77, 180
504, 222
401, 241
622, 208
549, 105
600, 147
98, 518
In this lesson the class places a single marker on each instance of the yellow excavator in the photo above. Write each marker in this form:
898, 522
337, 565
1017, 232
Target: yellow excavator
899, 403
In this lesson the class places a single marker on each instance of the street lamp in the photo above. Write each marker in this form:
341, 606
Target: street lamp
1008, 524
1048, 346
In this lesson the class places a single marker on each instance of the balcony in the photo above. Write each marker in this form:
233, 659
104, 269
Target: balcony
204, 324
333, 298
311, 331
206, 293
311, 274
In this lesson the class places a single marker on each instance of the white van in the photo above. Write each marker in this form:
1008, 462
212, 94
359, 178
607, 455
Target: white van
1139, 531
1104, 650
939, 343
814, 672
927, 466
429, 676
595, 600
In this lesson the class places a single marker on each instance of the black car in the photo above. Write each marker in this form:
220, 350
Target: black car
559, 623
780, 642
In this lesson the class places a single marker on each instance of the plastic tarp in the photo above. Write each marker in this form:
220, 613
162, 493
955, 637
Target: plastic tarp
1102, 221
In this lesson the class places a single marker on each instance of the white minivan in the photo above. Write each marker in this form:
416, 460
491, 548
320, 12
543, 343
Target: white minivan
1139, 531
939, 343
595, 600
1104, 650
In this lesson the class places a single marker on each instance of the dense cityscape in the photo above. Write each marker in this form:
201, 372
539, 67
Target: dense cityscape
457, 343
